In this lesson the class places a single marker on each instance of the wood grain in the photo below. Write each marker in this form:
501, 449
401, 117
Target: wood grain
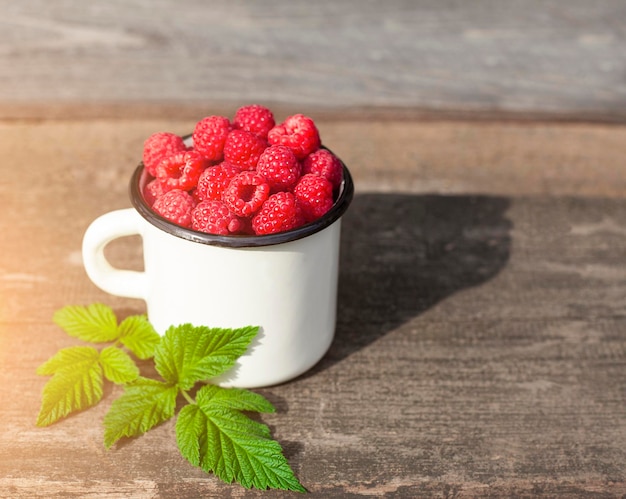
497, 58
479, 348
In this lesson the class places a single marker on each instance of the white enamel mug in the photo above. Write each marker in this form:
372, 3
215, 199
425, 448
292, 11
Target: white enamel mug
284, 283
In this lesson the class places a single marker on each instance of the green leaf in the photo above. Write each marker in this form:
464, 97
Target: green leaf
117, 365
218, 438
188, 354
144, 404
190, 431
67, 358
233, 398
137, 334
76, 383
96, 323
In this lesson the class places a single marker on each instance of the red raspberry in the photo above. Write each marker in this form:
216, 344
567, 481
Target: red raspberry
255, 119
181, 171
209, 136
325, 164
159, 146
279, 166
246, 193
214, 180
176, 206
299, 133
279, 213
243, 149
314, 195
214, 217
246, 227
152, 190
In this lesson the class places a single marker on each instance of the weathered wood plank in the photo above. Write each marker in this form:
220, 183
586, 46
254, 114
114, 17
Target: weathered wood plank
479, 350
475, 352
560, 59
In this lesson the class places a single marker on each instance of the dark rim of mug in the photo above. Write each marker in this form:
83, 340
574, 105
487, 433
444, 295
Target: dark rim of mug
346, 193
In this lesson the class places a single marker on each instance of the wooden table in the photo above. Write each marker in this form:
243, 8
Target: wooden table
480, 348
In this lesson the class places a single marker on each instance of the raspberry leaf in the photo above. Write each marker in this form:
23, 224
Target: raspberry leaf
233, 398
117, 365
188, 354
76, 383
215, 436
191, 433
144, 404
95, 323
137, 334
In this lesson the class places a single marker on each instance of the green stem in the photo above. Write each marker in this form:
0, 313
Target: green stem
188, 397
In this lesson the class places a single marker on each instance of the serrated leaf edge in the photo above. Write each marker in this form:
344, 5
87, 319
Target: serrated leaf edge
55, 407
136, 423
80, 321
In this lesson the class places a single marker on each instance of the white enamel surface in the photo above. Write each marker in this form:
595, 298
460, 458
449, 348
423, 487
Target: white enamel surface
102, 231
289, 290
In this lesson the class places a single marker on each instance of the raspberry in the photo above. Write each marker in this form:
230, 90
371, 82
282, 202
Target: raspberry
181, 171
214, 180
325, 164
214, 217
176, 206
245, 176
279, 213
209, 136
243, 149
255, 119
246, 193
159, 146
152, 190
314, 195
246, 227
279, 166
299, 133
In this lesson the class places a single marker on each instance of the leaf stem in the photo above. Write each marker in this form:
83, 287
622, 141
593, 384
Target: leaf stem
188, 397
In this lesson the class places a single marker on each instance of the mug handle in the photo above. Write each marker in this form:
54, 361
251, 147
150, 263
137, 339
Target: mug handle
103, 230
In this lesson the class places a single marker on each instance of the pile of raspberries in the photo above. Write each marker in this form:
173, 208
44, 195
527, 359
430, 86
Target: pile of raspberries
248, 176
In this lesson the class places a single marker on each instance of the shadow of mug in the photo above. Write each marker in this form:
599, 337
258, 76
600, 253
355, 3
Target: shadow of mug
401, 254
